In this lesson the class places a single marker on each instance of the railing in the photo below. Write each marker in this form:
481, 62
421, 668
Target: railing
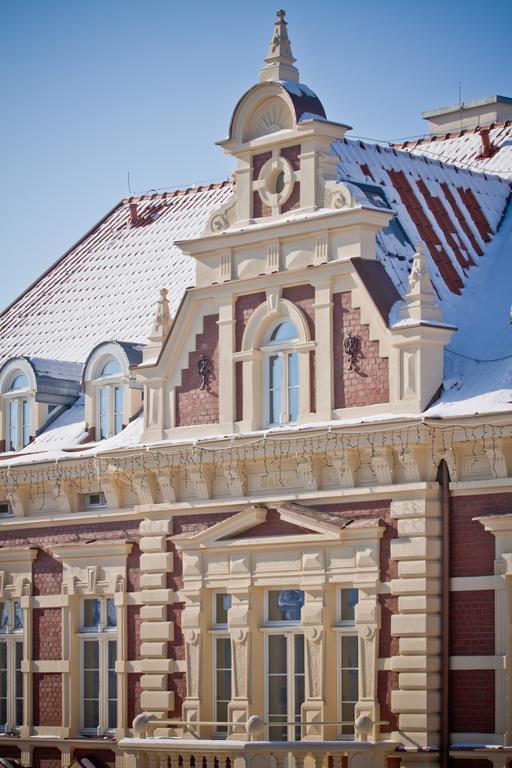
148, 751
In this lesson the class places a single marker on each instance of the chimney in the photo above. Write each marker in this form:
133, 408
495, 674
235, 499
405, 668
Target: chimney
488, 147
133, 214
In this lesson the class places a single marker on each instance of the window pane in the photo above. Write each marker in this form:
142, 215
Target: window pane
19, 382
91, 655
91, 713
349, 684
91, 684
19, 685
110, 368
284, 332
18, 617
285, 605
222, 606
224, 653
277, 654
4, 617
349, 598
91, 614
275, 389
348, 717
112, 714
104, 412
349, 653
111, 613
112, 654
26, 421
13, 425
3, 685
293, 386
118, 409
223, 681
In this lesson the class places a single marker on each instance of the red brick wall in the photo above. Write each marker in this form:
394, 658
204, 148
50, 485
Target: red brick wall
244, 307
293, 201
387, 682
292, 154
472, 549
46, 757
304, 297
46, 575
472, 701
388, 645
47, 698
193, 404
134, 691
133, 621
47, 633
472, 623
368, 382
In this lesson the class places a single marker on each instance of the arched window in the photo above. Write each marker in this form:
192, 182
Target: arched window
18, 412
282, 374
110, 398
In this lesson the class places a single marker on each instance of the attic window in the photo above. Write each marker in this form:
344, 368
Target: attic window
20, 381
93, 500
17, 411
5, 509
111, 368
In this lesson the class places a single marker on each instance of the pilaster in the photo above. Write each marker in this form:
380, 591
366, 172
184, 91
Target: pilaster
418, 622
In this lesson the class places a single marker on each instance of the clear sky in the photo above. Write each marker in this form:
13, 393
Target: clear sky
93, 89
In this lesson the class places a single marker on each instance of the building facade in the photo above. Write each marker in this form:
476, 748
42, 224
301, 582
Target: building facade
272, 515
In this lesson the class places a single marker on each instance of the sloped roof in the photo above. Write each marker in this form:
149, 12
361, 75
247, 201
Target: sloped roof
465, 149
455, 212
107, 285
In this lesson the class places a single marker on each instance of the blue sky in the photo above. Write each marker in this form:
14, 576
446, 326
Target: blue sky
94, 89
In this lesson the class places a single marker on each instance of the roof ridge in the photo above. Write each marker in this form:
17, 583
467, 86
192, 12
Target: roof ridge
432, 137
175, 192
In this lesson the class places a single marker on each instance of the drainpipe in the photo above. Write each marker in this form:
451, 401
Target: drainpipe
443, 477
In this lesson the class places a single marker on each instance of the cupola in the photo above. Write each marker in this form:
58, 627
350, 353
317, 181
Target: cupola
281, 140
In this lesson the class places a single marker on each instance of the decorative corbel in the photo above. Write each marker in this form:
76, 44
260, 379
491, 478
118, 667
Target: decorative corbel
167, 482
236, 479
202, 482
346, 468
17, 498
381, 463
408, 458
273, 250
308, 472
143, 488
112, 490
92, 578
273, 296
494, 452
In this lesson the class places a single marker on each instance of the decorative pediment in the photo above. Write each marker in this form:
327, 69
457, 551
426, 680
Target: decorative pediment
93, 568
257, 525
16, 570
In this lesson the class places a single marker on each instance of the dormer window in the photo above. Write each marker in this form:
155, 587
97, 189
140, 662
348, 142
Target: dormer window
112, 395
282, 372
18, 415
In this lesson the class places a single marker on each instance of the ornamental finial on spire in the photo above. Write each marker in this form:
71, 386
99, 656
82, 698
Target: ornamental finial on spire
279, 60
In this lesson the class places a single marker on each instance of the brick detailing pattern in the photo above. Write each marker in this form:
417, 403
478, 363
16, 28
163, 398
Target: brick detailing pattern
46, 575
472, 701
273, 526
47, 698
368, 382
134, 691
46, 757
292, 154
472, 549
244, 307
193, 404
472, 623
47, 634
426, 230
133, 622
388, 645
387, 682
178, 684
258, 161
303, 296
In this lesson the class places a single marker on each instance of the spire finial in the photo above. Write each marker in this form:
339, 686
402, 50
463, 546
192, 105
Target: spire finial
161, 320
421, 300
279, 60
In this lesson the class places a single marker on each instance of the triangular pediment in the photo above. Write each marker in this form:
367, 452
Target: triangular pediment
257, 522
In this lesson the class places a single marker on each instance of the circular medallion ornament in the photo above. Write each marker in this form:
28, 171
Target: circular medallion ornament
277, 180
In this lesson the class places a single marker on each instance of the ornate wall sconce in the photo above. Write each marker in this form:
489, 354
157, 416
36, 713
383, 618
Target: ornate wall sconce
204, 368
352, 348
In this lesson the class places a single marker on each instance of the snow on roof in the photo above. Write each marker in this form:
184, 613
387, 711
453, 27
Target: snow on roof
106, 286
465, 149
455, 212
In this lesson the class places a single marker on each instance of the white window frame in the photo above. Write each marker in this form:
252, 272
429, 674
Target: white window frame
22, 397
219, 631
11, 638
111, 384
283, 350
102, 634
344, 628
289, 629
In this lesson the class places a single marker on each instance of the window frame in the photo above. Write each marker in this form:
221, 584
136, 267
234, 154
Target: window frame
290, 634
112, 385
345, 628
103, 635
13, 638
23, 398
283, 350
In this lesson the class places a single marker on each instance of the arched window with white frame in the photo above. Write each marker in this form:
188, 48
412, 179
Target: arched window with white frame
110, 398
281, 373
18, 395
